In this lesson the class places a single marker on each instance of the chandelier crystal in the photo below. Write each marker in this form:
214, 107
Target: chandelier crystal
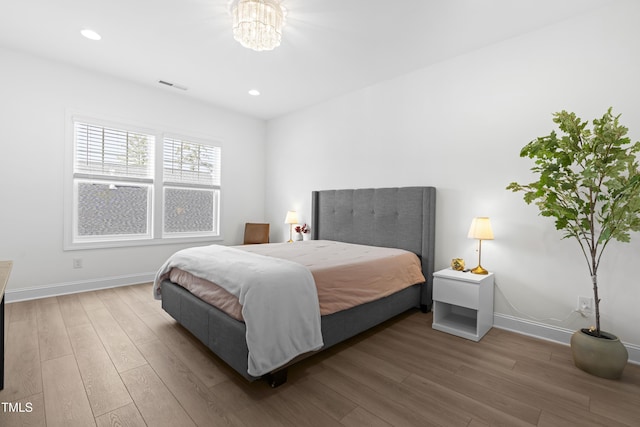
257, 24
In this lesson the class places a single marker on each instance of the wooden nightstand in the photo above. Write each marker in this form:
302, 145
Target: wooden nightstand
462, 303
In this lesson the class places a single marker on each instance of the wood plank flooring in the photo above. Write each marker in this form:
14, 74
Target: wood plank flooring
115, 358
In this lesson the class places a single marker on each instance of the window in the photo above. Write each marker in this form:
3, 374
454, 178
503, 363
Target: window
191, 175
113, 183
121, 195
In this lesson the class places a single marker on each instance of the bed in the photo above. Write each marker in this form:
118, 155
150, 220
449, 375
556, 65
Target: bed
402, 218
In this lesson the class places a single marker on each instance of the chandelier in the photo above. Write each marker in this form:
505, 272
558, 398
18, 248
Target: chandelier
257, 24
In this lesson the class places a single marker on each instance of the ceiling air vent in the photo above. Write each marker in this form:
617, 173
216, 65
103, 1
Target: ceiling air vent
175, 85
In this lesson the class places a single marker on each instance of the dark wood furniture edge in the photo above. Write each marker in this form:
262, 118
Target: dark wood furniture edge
5, 271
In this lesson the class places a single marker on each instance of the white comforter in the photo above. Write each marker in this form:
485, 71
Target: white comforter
278, 297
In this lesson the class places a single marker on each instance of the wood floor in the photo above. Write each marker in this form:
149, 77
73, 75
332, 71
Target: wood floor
114, 358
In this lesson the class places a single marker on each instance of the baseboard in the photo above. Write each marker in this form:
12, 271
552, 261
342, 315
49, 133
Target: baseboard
549, 333
57, 289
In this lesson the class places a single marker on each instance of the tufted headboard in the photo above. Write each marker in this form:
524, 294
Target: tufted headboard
401, 217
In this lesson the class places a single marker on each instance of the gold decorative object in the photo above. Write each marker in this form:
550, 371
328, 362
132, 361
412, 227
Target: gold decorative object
457, 264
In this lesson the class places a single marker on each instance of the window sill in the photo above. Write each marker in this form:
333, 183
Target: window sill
68, 246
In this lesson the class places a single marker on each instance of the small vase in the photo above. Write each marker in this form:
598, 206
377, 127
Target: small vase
603, 357
306, 236
298, 237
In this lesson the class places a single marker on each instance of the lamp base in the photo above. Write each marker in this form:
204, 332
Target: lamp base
479, 270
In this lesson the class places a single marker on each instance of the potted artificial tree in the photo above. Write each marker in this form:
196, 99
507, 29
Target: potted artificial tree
589, 181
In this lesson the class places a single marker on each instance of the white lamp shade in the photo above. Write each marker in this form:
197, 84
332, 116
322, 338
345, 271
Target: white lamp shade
480, 229
291, 218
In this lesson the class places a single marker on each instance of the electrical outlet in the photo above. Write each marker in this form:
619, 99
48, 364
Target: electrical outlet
77, 263
585, 304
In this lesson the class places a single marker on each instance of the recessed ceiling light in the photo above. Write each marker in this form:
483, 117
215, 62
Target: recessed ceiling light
254, 92
90, 34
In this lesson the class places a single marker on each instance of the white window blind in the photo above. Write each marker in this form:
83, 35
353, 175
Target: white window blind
191, 163
104, 151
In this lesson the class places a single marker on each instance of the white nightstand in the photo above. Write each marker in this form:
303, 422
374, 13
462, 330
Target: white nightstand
462, 303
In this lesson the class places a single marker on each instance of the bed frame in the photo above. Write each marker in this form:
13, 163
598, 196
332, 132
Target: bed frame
390, 217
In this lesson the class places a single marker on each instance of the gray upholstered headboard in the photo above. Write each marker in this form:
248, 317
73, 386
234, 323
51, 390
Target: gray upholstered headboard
401, 217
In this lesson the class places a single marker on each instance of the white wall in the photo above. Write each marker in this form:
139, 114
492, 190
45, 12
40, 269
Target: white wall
460, 126
34, 96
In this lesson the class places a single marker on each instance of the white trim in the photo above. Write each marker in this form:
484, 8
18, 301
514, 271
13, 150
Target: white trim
57, 289
167, 240
549, 333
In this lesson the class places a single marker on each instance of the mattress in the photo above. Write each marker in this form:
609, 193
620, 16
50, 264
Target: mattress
345, 274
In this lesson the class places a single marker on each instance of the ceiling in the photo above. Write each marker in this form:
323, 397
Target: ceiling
329, 47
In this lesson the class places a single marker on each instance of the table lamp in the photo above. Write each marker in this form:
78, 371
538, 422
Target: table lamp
291, 218
480, 229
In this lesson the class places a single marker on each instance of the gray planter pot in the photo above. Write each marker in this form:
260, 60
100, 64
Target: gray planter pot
604, 357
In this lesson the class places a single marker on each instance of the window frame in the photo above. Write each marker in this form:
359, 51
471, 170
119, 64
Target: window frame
216, 187
156, 234
104, 238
